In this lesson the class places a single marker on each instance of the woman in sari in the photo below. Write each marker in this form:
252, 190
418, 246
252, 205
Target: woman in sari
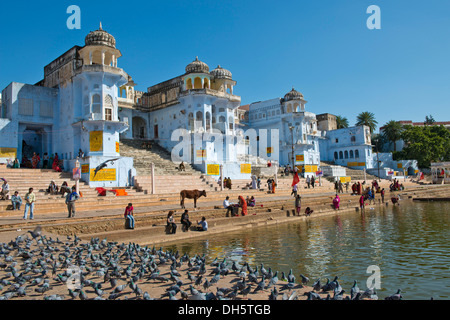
336, 202
243, 205
35, 160
273, 186
56, 165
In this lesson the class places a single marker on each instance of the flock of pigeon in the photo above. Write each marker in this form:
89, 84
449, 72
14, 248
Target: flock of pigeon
39, 267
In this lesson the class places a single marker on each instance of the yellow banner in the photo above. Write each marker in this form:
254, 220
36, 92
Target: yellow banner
361, 164
8, 153
400, 165
269, 150
117, 147
246, 168
352, 164
300, 158
345, 179
103, 175
311, 168
213, 170
85, 168
96, 141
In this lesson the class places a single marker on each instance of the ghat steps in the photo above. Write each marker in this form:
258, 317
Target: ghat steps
160, 157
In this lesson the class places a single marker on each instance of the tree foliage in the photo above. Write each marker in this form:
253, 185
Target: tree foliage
426, 144
367, 119
392, 132
342, 122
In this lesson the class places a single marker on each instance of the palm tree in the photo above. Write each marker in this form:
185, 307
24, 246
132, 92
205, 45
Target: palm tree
342, 122
367, 119
392, 132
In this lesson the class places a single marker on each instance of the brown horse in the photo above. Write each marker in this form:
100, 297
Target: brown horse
191, 194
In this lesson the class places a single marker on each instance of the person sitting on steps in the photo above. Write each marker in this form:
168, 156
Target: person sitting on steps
171, 225
129, 218
185, 221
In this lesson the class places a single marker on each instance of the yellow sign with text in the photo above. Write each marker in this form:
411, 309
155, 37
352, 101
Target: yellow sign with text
103, 175
246, 168
400, 165
117, 147
84, 169
96, 141
269, 150
311, 168
213, 170
300, 158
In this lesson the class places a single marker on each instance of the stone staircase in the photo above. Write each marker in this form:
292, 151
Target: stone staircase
160, 157
355, 174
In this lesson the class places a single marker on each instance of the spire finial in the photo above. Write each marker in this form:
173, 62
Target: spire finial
196, 58
100, 26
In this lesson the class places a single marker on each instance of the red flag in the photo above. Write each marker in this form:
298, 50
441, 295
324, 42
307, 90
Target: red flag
296, 179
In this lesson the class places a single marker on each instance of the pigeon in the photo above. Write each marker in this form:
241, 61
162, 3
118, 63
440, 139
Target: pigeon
312, 295
316, 285
354, 290
305, 280
291, 277
293, 296
395, 296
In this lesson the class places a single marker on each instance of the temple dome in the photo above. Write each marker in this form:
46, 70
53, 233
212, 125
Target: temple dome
100, 38
220, 72
197, 66
293, 95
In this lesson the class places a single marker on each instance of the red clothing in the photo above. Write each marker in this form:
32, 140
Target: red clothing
243, 205
128, 211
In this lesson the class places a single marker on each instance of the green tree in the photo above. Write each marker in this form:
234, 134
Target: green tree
426, 144
429, 120
341, 122
392, 132
367, 119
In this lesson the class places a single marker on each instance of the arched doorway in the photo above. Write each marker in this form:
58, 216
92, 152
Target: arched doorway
139, 128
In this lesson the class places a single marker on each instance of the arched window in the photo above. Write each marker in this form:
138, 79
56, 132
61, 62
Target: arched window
341, 155
353, 139
222, 119
356, 154
336, 156
296, 107
96, 104
108, 108
199, 118
189, 84
346, 154
206, 84
198, 83
351, 154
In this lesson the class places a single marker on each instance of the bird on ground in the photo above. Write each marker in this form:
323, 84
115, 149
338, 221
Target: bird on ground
291, 277
305, 280
354, 290
395, 296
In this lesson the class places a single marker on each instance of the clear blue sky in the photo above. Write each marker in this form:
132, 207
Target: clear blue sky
322, 48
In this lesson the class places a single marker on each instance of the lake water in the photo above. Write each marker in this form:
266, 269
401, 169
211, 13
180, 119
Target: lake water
408, 243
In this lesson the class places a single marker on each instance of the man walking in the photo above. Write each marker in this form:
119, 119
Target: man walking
70, 202
30, 199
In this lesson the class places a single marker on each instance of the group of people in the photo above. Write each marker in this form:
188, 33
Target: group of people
396, 186
310, 181
53, 189
202, 225
242, 203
